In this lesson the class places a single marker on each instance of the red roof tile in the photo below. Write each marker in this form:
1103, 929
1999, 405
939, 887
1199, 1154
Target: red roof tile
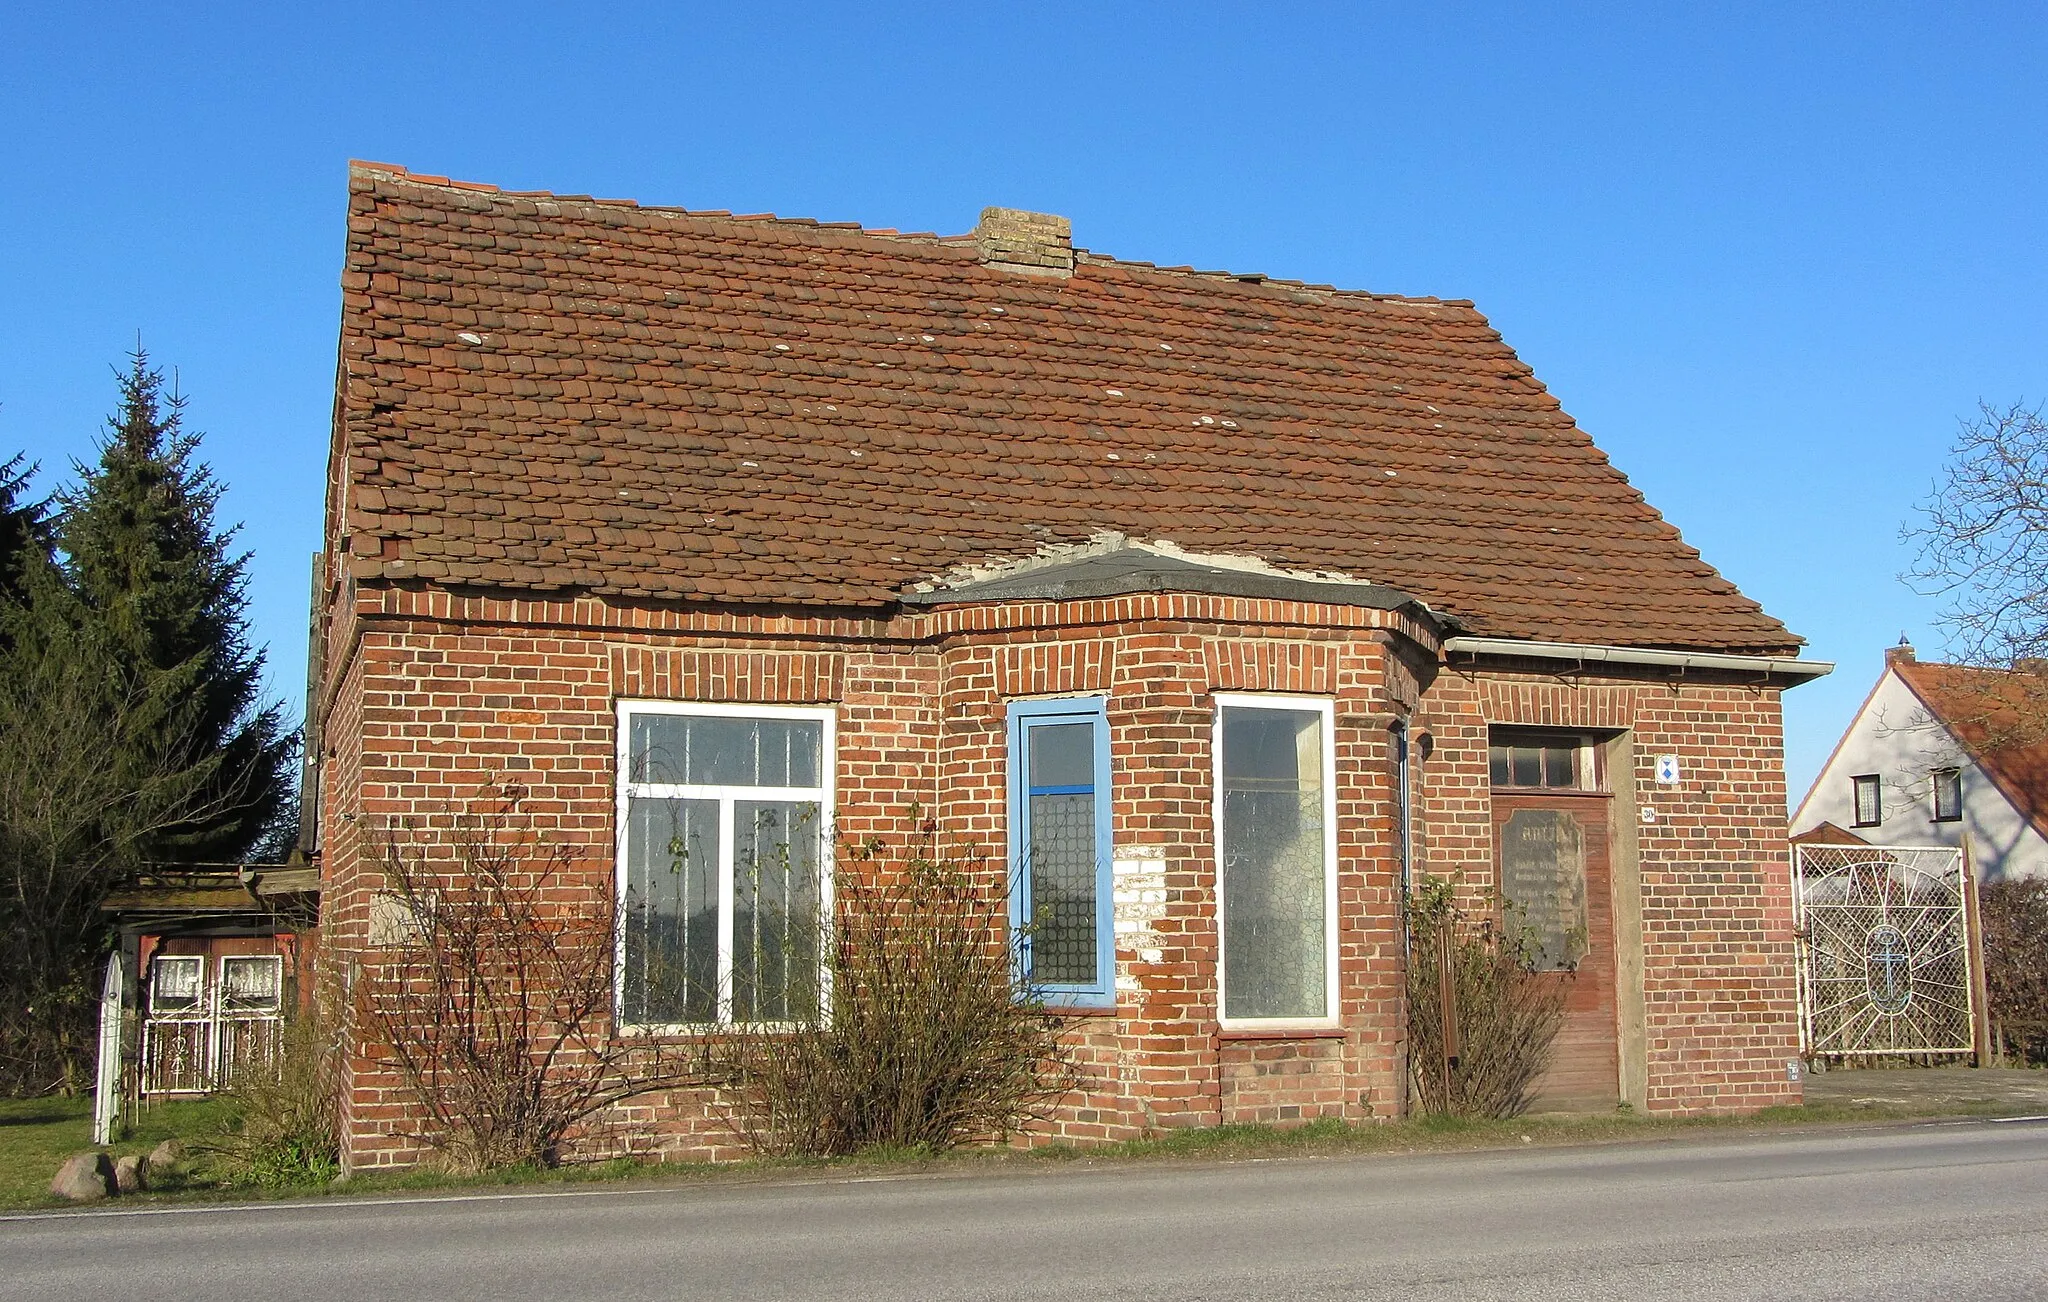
546, 393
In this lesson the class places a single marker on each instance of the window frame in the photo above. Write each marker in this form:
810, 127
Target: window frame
272, 963
193, 962
1327, 709
1952, 778
1876, 781
1021, 718
824, 794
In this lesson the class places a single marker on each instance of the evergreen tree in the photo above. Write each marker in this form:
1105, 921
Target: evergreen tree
24, 533
162, 596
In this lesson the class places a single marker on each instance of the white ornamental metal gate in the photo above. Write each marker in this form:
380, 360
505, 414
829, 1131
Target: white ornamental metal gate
207, 1023
1884, 953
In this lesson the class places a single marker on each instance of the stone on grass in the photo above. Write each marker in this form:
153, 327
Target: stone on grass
167, 1155
131, 1173
85, 1178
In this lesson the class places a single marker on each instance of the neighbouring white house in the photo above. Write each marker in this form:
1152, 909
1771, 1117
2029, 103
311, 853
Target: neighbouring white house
1939, 752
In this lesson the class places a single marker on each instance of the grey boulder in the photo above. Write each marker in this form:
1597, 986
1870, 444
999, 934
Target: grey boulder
131, 1173
85, 1178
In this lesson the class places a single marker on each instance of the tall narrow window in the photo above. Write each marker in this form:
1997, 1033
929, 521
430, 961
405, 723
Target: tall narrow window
1276, 836
1869, 800
1060, 848
1948, 795
722, 883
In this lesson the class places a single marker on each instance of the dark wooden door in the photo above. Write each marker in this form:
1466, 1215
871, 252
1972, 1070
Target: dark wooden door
1556, 883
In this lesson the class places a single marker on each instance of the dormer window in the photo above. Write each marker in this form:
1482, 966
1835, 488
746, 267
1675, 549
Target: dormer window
1948, 795
1869, 800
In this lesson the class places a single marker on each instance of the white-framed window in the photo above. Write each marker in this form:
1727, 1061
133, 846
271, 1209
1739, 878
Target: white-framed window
724, 876
1948, 795
1276, 839
1869, 799
1059, 830
251, 983
177, 983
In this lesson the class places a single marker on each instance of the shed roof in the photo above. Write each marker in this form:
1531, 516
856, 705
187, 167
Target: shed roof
548, 392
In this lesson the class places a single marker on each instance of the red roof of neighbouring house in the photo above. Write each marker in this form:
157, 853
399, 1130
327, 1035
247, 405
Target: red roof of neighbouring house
560, 393
2001, 719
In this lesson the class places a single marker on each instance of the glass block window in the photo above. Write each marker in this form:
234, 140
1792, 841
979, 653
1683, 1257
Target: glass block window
1948, 795
1275, 816
1869, 799
1060, 848
722, 867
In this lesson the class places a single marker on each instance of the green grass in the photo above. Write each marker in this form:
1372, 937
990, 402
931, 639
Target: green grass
36, 1135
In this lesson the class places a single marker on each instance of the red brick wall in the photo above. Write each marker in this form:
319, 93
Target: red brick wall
445, 694
1720, 1008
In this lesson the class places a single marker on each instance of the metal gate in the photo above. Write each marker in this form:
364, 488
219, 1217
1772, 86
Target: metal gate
1884, 966
205, 1027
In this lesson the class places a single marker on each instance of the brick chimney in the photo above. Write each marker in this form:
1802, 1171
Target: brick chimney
1028, 243
1902, 654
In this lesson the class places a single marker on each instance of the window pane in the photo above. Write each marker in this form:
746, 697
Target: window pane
1062, 755
1497, 765
174, 984
1063, 869
1273, 868
1560, 766
1869, 802
776, 920
671, 911
1528, 766
713, 750
1948, 795
251, 983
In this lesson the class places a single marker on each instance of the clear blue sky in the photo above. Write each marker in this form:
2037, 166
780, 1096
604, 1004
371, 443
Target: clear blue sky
1767, 258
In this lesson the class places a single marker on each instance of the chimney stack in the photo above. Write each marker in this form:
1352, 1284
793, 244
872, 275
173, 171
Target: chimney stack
1027, 243
1900, 654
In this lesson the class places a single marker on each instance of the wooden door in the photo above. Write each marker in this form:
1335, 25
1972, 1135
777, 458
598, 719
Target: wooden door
1555, 880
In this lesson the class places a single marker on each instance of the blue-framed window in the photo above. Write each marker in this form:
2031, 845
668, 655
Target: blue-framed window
1060, 849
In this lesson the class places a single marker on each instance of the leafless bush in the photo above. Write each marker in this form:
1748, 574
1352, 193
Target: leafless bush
2015, 915
493, 990
1507, 1012
920, 1038
283, 1128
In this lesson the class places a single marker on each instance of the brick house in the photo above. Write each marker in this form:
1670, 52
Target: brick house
1238, 600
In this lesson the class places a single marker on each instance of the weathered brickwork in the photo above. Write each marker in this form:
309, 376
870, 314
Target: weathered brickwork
442, 695
1719, 1009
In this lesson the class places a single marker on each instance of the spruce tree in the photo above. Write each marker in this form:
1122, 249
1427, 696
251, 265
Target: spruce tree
24, 533
162, 595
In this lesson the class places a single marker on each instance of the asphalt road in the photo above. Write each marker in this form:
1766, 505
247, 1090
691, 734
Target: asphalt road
1953, 1210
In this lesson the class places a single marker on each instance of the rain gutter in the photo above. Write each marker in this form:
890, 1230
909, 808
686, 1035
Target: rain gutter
1796, 671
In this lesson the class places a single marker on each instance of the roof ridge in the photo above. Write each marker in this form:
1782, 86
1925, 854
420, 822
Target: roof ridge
401, 173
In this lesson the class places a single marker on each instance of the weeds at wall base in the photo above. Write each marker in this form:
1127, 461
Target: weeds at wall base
1219, 1144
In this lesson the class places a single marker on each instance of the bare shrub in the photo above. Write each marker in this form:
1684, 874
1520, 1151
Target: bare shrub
920, 1038
2015, 915
1508, 1012
493, 991
283, 1128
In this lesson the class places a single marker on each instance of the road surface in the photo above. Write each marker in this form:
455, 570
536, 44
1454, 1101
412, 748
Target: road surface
1947, 1210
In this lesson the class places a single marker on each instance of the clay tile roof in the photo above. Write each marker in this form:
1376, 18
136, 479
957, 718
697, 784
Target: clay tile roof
548, 393
2000, 717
